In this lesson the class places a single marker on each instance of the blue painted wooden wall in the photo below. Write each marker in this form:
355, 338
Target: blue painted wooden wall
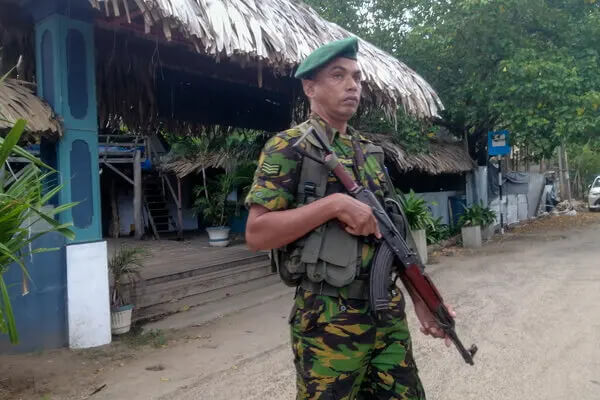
41, 316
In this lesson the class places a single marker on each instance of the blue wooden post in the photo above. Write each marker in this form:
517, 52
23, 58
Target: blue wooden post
66, 79
65, 72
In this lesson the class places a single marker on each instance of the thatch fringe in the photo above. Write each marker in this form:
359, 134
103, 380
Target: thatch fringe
441, 157
185, 166
18, 100
279, 34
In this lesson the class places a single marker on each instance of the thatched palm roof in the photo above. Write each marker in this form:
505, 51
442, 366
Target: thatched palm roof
18, 100
278, 34
442, 157
185, 166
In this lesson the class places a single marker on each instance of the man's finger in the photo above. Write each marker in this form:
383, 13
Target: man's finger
451, 310
436, 332
377, 231
351, 230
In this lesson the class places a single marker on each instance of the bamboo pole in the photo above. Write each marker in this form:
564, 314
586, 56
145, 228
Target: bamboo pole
137, 195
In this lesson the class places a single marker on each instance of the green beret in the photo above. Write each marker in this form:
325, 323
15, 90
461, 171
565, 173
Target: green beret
346, 48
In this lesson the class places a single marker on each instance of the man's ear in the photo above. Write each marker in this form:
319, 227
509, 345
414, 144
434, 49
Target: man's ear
308, 86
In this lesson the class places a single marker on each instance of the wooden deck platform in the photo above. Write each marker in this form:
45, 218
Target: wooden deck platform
180, 275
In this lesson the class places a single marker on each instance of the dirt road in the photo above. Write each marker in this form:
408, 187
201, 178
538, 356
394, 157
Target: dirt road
531, 302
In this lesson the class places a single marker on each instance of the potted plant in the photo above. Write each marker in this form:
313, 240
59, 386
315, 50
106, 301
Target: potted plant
211, 201
419, 220
489, 221
124, 268
471, 222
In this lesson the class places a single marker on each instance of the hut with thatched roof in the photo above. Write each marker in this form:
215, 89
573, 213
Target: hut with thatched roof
182, 66
256, 44
442, 173
152, 68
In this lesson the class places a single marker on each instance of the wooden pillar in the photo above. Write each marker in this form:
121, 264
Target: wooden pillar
65, 73
137, 195
179, 211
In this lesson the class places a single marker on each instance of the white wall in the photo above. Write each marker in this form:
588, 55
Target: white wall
438, 203
481, 185
88, 306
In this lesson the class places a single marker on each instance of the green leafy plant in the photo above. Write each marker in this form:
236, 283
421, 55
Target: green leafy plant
437, 231
243, 178
124, 267
416, 210
211, 199
22, 197
489, 216
477, 215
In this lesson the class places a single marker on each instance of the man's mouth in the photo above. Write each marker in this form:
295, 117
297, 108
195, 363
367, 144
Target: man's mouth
351, 99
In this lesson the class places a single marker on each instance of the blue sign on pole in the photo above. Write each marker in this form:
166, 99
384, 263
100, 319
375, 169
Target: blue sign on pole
498, 143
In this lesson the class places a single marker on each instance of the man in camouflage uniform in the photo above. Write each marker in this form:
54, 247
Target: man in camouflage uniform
340, 350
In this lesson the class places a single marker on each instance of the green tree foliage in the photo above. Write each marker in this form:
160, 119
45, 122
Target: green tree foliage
407, 131
585, 160
529, 66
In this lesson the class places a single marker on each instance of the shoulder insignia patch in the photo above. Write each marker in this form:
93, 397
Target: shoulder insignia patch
271, 169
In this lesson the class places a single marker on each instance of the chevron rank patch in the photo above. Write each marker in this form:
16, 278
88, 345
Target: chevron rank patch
271, 169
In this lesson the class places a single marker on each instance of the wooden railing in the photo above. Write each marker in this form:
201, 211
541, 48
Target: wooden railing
121, 148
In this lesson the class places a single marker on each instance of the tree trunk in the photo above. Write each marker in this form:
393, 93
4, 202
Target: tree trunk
566, 168
561, 177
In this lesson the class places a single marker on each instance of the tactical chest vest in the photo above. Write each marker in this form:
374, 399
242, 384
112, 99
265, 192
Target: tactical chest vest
327, 255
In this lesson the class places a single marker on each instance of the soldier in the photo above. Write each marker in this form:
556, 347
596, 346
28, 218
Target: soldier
325, 245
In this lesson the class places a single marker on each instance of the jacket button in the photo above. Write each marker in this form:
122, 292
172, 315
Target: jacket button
343, 308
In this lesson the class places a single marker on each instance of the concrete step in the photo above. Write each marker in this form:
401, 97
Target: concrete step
174, 290
213, 298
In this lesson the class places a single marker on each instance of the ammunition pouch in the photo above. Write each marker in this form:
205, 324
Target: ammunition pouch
327, 258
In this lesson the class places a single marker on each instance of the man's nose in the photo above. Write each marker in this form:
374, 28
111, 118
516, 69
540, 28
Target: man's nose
352, 85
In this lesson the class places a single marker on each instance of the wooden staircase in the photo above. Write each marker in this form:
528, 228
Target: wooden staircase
156, 206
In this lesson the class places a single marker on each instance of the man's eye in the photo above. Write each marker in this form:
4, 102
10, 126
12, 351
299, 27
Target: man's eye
338, 76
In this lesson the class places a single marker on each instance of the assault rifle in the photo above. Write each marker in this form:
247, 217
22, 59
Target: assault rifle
392, 251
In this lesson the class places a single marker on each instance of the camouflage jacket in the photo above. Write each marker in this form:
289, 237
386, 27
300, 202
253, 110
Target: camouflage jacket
279, 166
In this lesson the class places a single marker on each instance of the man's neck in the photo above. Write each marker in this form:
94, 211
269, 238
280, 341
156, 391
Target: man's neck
340, 126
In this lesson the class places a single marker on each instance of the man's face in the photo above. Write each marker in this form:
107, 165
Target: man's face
335, 89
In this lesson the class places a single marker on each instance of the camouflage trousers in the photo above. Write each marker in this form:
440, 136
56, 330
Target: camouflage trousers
342, 353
